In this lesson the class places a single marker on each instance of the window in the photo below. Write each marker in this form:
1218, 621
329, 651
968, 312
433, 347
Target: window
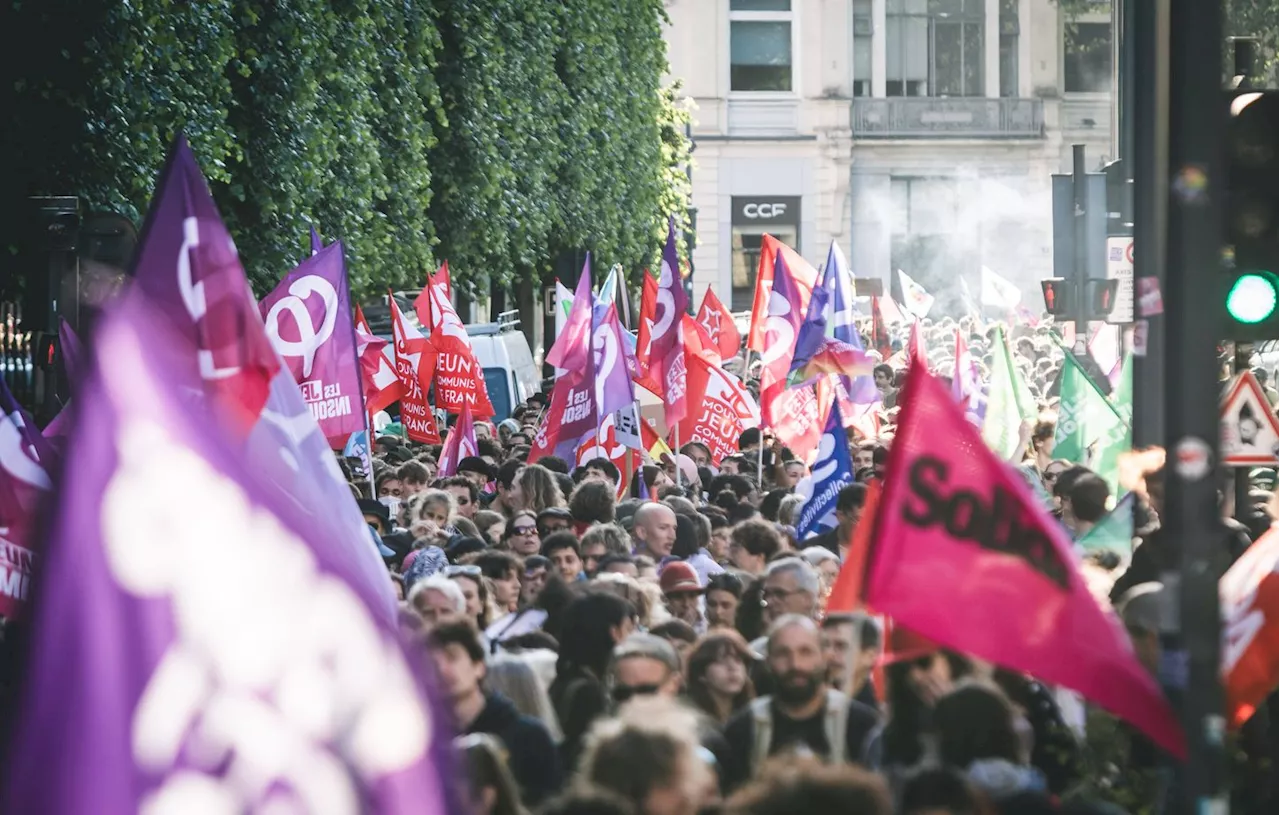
760, 45
777, 215
934, 47
1086, 59
862, 29
1009, 48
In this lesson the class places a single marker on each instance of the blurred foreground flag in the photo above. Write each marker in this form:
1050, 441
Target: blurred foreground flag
200, 645
25, 461
963, 554
1251, 632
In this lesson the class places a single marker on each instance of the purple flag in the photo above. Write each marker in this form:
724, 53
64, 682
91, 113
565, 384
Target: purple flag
199, 645
609, 354
307, 319
814, 328
188, 269
666, 353
570, 350
316, 245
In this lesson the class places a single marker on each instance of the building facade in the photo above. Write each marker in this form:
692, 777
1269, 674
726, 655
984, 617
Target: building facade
918, 134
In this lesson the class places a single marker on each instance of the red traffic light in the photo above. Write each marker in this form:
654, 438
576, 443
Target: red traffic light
1102, 298
1057, 293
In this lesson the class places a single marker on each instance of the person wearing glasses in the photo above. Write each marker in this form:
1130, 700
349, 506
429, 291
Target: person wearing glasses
521, 535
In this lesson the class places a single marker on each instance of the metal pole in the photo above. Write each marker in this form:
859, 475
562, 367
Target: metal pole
1079, 196
1192, 525
1240, 475
1148, 163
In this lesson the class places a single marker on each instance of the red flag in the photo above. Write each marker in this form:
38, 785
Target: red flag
1251, 634
381, 385
415, 366
460, 444
963, 554
459, 380
422, 303
880, 332
722, 409
770, 248
798, 417
648, 310
717, 322
605, 444
916, 347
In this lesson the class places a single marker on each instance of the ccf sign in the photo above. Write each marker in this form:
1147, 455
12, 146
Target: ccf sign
756, 211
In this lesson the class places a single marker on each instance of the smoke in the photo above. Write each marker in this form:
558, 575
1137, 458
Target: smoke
943, 230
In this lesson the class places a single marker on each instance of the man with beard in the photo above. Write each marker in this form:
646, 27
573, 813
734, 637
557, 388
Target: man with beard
802, 716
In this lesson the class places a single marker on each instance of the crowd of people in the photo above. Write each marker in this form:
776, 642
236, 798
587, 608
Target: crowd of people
658, 642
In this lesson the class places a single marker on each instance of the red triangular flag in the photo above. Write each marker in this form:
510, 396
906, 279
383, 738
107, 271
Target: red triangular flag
964, 554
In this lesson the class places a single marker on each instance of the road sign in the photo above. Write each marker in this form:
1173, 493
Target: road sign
1120, 269
1250, 430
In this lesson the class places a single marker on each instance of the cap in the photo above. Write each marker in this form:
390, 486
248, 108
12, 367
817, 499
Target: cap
369, 506
679, 578
383, 550
475, 464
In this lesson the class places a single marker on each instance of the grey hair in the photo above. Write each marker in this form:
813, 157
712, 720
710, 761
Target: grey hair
815, 556
515, 678
789, 621
805, 574
788, 508
442, 584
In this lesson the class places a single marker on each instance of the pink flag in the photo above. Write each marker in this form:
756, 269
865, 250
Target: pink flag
460, 444
788, 304
963, 554
25, 459
916, 346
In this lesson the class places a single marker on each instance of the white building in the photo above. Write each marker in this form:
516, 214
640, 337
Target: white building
918, 134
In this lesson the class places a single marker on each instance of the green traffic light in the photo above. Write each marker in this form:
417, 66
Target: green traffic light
1252, 298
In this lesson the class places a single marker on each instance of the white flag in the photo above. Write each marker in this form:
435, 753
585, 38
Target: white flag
564, 301
914, 297
998, 292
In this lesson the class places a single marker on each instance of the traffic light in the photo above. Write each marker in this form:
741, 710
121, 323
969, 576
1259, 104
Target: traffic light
1252, 210
1100, 297
1059, 297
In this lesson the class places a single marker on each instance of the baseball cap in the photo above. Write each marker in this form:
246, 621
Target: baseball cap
475, 464
679, 577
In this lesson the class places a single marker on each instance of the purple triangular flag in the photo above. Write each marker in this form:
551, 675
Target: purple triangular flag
307, 319
188, 270
316, 245
197, 644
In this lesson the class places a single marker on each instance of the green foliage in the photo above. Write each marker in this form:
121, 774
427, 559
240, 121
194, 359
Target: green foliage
494, 134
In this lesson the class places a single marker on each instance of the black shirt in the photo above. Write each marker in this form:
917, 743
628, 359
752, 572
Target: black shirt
799, 735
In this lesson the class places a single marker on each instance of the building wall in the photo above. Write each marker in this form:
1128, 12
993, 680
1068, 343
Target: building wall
974, 172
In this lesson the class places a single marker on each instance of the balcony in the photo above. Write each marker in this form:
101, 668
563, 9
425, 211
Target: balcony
915, 117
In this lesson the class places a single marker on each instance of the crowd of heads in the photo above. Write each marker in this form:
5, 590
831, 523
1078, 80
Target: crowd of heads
674, 654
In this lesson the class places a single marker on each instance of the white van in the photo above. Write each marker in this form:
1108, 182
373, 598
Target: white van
510, 374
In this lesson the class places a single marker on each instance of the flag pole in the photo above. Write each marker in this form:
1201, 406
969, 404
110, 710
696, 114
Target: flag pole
675, 454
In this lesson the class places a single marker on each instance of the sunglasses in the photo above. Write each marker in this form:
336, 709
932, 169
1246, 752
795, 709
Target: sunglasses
622, 693
525, 530
465, 571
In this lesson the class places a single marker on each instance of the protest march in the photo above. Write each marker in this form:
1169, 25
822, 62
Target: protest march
846, 554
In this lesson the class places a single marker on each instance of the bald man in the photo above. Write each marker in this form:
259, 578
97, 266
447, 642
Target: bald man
654, 530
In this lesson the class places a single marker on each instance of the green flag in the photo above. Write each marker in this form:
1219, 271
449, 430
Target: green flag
1090, 431
1114, 533
1108, 452
1009, 401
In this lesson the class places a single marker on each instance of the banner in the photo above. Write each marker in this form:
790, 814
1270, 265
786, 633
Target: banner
723, 409
964, 555
832, 471
415, 361
307, 320
176, 587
